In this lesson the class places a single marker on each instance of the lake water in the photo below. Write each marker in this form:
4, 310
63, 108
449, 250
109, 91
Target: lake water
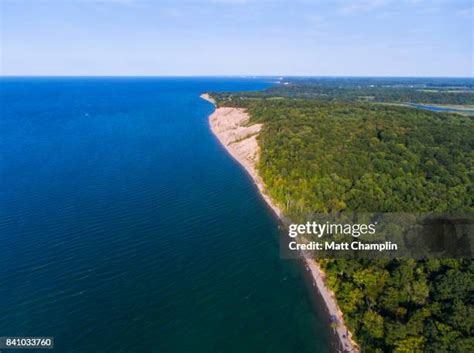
435, 108
126, 227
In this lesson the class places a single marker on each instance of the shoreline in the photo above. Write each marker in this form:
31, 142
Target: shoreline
240, 141
230, 126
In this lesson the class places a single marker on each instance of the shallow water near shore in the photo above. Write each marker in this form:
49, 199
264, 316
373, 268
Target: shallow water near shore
126, 227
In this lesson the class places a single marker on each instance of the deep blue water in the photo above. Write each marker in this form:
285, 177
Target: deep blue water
125, 226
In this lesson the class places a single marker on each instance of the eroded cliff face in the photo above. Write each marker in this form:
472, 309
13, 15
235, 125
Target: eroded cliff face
230, 125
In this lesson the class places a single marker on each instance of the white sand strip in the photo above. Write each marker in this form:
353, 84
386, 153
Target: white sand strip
230, 125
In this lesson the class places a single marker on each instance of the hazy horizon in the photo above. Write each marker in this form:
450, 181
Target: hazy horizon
233, 76
232, 38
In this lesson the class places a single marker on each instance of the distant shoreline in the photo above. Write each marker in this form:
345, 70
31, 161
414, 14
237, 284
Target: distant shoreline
230, 127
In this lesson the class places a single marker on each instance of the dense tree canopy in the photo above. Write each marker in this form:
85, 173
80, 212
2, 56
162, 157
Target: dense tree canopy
326, 156
391, 94
386, 90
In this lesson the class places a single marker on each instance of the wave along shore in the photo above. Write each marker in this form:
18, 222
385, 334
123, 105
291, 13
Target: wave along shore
230, 126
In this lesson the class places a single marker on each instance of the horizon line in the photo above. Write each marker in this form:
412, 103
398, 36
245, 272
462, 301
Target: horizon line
224, 76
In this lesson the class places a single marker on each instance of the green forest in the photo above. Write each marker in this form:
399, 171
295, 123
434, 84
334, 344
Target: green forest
434, 91
376, 94
342, 155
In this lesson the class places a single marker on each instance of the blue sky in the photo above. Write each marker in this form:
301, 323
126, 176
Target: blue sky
237, 37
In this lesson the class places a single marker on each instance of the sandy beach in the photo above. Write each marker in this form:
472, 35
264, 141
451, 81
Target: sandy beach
230, 126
